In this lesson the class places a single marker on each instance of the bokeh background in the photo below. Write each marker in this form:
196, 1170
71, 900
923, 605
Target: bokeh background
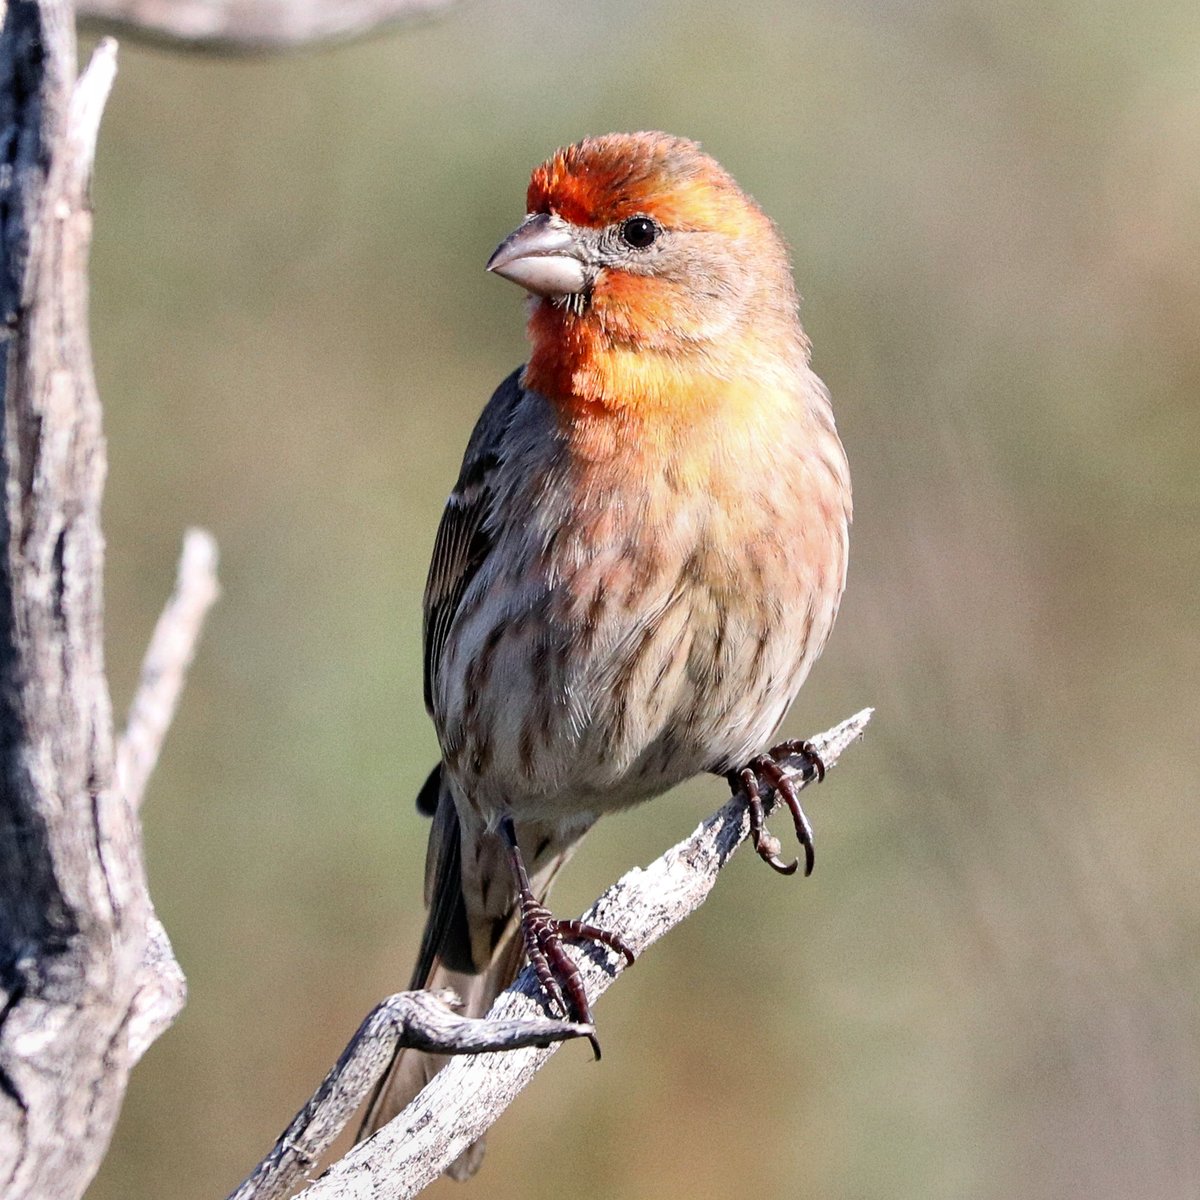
988, 988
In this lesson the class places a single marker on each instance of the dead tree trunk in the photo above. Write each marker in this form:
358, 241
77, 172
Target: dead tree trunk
87, 978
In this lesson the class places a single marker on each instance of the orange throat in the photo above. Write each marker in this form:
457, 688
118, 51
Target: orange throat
674, 407
586, 373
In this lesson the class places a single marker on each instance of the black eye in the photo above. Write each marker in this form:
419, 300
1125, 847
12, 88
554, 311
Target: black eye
639, 232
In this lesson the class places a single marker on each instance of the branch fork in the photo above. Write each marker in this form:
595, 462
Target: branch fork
464, 1098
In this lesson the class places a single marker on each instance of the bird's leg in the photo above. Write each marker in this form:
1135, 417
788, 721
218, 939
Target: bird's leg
543, 935
765, 769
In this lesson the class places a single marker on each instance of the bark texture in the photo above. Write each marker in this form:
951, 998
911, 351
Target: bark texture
422, 1020
87, 978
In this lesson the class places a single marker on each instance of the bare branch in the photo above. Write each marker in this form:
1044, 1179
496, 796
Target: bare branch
87, 107
466, 1096
253, 26
166, 663
421, 1020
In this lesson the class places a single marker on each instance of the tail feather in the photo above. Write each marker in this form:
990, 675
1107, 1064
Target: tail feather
477, 954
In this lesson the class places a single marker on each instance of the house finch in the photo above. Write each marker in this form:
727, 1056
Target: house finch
641, 560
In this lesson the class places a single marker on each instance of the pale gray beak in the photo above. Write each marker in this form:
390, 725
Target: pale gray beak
542, 256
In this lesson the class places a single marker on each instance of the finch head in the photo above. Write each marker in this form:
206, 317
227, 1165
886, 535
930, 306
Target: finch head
642, 244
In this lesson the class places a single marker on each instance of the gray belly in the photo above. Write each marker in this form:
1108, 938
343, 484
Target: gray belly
545, 714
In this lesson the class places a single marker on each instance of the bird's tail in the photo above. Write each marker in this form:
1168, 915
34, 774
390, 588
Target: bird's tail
477, 955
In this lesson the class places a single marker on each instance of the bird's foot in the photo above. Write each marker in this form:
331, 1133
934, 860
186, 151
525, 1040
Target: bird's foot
765, 770
544, 934
556, 970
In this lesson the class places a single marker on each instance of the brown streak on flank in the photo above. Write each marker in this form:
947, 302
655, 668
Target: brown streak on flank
754, 564
539, 665
623, 681
470, 712
542, 718
564, 653
481, 668
620, 716
832, 513
469, 719
645, 571
485, 748
691, 573
760, 650
591, 618
669, 658
818, 583
717, 675
809, 619
525, 750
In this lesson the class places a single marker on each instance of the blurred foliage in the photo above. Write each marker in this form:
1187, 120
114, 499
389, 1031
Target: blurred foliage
988, 987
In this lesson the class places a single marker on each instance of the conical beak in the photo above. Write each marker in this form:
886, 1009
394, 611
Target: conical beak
542, 256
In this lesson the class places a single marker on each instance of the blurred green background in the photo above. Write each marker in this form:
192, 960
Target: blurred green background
988, 988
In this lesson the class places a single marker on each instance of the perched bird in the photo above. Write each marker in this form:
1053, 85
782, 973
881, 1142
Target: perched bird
642, 557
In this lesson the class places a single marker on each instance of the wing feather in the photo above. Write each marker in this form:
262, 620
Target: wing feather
466, 534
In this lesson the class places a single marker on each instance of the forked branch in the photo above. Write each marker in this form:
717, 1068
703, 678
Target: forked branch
166, 663
87, 977
469, 1094
420, 1020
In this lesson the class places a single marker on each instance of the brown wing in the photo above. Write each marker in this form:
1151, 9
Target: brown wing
465, 535
462, 545
464, 539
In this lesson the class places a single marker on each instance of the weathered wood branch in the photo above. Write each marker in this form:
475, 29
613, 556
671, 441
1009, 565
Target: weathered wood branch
166, 663
422, 1020
252, 26
87, 978
468, 1095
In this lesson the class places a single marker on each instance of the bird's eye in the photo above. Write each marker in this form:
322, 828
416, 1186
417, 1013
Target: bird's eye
639, 232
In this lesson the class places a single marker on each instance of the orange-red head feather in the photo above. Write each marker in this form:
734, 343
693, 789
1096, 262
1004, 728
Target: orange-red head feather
662, 326
602, 180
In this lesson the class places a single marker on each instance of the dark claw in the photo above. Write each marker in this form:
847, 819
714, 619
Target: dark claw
804, 833
543, 936
765, 845
766, 769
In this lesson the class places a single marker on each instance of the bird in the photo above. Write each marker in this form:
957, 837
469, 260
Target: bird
641, 559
